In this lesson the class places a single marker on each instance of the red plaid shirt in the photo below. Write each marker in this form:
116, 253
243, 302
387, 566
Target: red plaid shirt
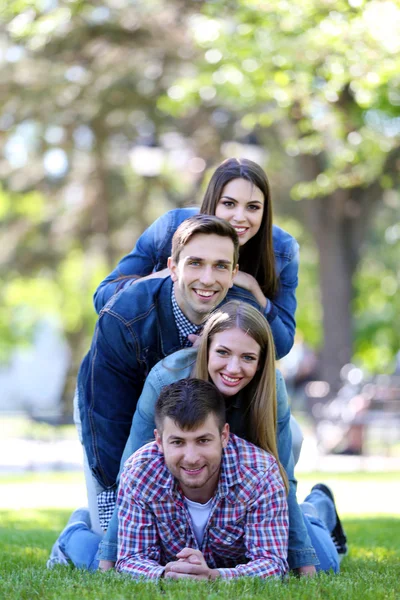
247, 530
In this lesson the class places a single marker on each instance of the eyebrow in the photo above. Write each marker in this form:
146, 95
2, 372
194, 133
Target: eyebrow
201, 259
176, 437
229, 350
248, 201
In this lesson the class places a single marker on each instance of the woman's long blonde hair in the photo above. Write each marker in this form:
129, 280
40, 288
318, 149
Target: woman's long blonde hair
261, 391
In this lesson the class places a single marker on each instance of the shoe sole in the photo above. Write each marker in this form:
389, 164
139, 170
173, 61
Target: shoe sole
328, 492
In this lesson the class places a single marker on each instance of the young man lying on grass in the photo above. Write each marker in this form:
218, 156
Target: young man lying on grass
201, 503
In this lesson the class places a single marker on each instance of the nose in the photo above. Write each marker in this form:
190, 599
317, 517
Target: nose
233, 365
239, 216
207, 275
191, 457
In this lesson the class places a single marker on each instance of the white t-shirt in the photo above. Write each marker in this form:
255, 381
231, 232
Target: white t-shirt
199, 514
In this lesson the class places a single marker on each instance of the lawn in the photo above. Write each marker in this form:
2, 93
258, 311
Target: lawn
370, 571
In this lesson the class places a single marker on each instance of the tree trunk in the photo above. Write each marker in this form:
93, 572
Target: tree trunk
336, 268
339, 224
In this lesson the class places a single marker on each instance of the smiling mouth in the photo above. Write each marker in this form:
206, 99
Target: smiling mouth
192, 471
205, 294
241, 230
231, 381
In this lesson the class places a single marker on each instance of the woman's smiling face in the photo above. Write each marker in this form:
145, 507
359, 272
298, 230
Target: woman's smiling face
233, 359
242, 205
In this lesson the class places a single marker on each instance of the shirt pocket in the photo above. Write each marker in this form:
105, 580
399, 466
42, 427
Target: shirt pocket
227, 541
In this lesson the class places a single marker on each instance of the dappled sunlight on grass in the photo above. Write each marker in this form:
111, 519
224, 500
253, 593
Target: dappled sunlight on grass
374, 532
378, 554
32, 553
35, 519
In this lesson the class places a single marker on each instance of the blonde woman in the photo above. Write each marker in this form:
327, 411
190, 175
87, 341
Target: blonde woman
237, 354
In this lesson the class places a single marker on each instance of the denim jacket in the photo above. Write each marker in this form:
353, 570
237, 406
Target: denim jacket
154, 247
179, 366
134, 331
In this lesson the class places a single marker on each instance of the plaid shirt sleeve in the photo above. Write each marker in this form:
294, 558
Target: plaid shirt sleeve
138, 543
266, 531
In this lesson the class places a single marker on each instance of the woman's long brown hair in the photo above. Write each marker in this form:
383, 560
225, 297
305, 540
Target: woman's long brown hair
257, 255
261, 391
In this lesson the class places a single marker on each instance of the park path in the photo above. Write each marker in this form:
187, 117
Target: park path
21, 456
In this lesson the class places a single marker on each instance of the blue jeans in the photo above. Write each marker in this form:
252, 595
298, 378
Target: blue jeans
80, 544
319, 526
92, 486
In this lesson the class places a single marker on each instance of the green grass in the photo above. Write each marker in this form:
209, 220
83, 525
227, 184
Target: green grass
370, 571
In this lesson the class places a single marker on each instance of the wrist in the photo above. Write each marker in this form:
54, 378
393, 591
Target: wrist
263, 302
214, 574
259, 296
106, 565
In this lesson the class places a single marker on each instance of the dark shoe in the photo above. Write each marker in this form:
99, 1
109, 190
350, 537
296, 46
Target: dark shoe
338, 535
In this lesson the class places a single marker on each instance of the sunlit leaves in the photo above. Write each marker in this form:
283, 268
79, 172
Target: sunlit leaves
30, 206
377, 305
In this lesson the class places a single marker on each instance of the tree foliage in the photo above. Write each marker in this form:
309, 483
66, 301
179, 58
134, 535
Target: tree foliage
112, 112
325, 77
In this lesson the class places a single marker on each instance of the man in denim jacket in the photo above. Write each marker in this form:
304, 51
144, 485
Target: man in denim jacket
153, 248
144, 323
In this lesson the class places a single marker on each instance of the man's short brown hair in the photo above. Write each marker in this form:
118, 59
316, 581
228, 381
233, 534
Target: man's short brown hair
188, 402
205, 224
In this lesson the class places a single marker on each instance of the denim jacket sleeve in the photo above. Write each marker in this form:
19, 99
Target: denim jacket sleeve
301, 552
149, 254
280, 313
110, 381
141, 432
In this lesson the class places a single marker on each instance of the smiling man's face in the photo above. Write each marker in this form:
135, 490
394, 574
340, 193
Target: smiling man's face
194, 457
203, 274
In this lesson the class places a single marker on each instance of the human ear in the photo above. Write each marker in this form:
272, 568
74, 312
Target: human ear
234, 272
158, 439
225, 435
172, 266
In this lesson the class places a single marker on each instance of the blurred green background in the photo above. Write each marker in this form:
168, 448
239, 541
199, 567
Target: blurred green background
113, 112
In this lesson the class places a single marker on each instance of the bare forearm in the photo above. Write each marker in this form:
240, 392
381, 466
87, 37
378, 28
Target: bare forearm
156, 275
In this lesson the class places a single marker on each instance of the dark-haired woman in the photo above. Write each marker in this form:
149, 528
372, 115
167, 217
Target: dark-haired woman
239, 193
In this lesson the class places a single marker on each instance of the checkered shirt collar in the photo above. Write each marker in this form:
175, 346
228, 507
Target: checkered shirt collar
185, 327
